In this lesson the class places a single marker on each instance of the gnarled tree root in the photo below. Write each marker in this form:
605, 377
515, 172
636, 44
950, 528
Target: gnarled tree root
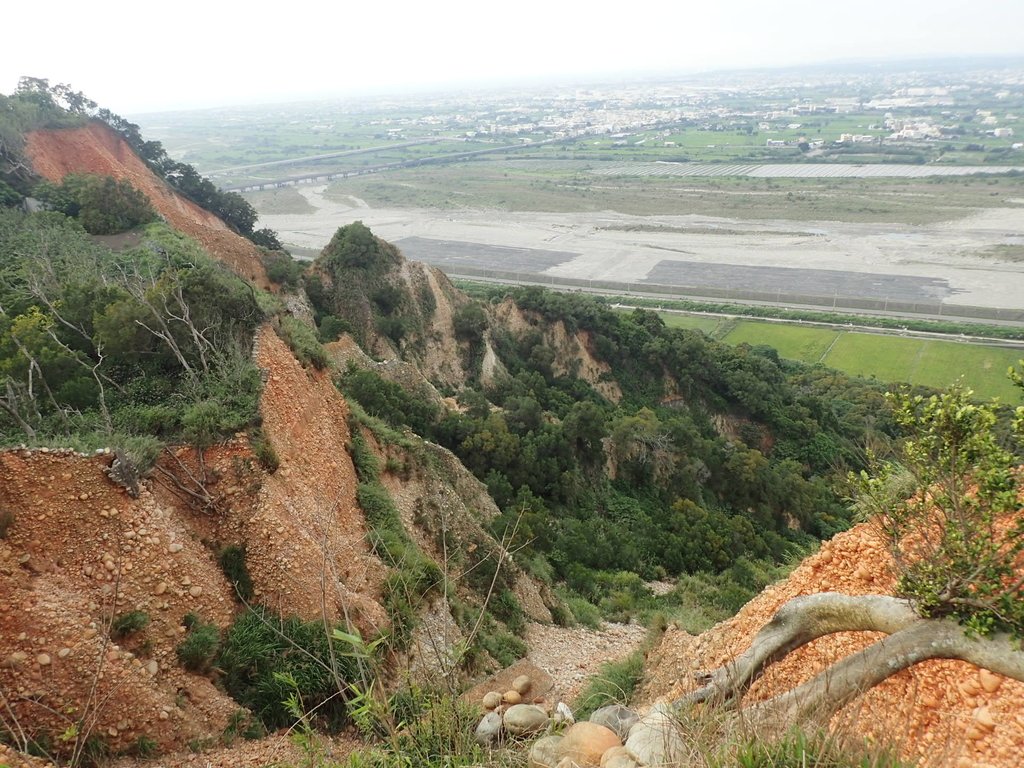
910, 640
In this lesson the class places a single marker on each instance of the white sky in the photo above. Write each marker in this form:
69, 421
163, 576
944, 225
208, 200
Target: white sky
142, 56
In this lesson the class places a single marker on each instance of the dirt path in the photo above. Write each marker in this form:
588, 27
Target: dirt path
571, 655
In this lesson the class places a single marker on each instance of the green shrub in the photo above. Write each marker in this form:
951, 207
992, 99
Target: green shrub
282, 268
582, 610
145, 747
142, 450
9, 196
264, 451
505, 606
232, 562
204, 422
363, 457
469, 322
394, 327
613, 684
414, 577
561, 615
197, 651
263, 654
354, 246
243, 724
388, 401
96, 751
483, 574
103, 205
505, 648
125, 624
303, 342
332, 326
620, 606
436, 725
380, 510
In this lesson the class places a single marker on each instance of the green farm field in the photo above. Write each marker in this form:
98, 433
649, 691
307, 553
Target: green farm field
927, 362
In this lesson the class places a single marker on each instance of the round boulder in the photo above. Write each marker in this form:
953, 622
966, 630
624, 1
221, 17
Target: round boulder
617, 718
489, 729
585, 743
657, 739
521, 719
617, 757
546, 752
492, 699
521, 684
512, 697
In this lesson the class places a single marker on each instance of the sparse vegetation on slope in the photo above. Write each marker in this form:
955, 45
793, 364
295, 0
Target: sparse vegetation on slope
119, 349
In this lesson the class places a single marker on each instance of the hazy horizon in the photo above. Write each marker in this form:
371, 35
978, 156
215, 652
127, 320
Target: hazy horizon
205, 55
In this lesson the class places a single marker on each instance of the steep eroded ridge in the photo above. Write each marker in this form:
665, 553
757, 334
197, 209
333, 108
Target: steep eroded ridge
573, 349
314, 554
96, 148
78, 552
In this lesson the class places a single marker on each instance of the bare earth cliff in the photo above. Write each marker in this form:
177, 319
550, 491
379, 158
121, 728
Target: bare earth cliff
95, 148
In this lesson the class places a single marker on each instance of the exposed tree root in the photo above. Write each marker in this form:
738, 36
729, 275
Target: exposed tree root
910, 640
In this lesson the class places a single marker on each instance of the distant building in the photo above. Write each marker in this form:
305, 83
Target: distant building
1003, 133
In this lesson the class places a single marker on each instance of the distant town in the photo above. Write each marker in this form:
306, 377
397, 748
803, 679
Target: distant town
940, 113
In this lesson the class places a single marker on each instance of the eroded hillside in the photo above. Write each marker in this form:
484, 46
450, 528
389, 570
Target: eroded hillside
315, 552
96, 148
582, 448
79, 553
397, 308
573, 354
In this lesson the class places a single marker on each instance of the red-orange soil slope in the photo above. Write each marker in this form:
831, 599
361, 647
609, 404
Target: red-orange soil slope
96, 148
934, 711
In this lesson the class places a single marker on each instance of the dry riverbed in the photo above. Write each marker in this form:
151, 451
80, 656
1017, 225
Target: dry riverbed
956, 261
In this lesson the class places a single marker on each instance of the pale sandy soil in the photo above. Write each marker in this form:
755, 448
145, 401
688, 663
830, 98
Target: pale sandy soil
946, 250
572, 655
